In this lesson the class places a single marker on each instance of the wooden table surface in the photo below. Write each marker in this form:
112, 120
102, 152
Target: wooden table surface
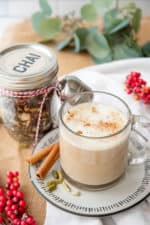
13, 158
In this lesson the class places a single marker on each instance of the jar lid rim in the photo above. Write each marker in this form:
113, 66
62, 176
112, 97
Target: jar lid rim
34, 62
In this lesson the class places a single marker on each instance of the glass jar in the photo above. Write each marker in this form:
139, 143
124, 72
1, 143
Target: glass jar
25, 68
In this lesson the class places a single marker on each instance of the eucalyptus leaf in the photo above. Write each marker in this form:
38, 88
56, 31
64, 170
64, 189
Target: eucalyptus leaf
89, 13
82, 34
36, 19
146, 49
111, 18
63, 44
50, 27
45, 7
136, 20
123, 51
121, 25
76, 43
103, 5
104, 60
97, 45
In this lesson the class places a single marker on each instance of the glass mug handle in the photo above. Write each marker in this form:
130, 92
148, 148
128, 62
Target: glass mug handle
139, 144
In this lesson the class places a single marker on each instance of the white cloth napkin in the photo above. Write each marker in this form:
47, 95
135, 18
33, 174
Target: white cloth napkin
139, 215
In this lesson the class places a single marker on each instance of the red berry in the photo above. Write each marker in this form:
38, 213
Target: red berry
7, 208
9, 193
14, 193
9, 202
23, 222
135, 74
9, 180
10, 174
14, 207
16, 212
138, 90
29, 220
15, 179
1, 191
22, 203
12, 188
129, 91
1, 219
12, 216
15, 199
2, 204
16, 173
1, 210
9, 213
21, 210
16, 185
16, 221
19, 194
2, 198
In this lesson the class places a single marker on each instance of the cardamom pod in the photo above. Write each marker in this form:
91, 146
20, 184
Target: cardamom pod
55, 174
52, 187
76, 193
66, 186
51, 182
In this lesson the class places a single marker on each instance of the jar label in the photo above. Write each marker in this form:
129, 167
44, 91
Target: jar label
26, 63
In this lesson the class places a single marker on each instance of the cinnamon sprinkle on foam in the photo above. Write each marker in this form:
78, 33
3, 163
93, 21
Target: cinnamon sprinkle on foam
86, 124
113, 126
70, 115
79, 132
94, 109
94, 120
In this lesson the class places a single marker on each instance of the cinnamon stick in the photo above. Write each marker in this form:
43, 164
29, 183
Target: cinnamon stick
36, 157
48, 162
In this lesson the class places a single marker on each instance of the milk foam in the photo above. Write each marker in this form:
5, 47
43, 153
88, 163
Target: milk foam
94, 120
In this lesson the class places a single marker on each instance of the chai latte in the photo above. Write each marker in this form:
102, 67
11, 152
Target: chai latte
89, 152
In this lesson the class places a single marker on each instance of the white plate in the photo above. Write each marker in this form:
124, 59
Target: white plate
131, 190
135, 186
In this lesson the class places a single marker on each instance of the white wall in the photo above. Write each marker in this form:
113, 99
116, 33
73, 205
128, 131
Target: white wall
25, 8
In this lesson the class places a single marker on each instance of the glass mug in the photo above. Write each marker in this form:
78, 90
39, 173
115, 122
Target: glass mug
95, 163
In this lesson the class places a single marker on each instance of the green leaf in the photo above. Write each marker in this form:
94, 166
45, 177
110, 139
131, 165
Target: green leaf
63, 44
103, 5
146, 49
119, 26
111, 18
45, 7
82, 34
36, 19
136, 20
104, 60
89, 13
123, 51
50, 27
97, 45
76, 43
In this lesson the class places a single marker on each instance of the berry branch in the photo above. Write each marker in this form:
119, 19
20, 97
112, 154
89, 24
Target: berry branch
12, 203
135, 85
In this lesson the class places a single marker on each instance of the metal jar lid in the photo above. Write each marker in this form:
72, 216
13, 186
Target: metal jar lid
27, 66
